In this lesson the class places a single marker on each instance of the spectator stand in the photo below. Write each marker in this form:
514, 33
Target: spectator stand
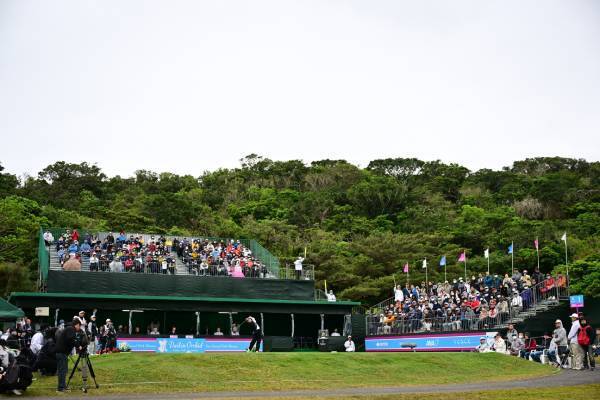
417, 316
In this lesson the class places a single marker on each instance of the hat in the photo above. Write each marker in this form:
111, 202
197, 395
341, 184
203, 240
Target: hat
108, 320
81, 312
558, 321
483, 338
574, 315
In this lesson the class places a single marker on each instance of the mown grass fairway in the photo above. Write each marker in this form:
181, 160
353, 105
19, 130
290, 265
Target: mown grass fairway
158, 373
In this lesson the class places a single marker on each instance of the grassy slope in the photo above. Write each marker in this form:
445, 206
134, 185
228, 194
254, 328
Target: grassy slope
128, 372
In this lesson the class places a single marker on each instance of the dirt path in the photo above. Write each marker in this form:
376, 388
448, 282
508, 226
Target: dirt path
565, 378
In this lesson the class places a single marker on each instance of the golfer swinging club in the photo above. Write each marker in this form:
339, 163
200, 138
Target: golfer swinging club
256, 334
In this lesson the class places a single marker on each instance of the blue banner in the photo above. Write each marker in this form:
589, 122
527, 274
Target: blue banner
438, 342
177, 345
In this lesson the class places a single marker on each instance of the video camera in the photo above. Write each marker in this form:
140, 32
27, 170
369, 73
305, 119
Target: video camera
81, 342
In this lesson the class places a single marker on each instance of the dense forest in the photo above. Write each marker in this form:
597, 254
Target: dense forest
359, 225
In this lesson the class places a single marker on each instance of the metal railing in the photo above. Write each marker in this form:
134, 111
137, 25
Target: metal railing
535, 299
306, 274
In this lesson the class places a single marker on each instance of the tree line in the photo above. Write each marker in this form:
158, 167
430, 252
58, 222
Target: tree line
359, 225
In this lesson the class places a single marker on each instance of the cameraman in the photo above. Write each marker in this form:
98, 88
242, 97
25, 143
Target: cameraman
66, 339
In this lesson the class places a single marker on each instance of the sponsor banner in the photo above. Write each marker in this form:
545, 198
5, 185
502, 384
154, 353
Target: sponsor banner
438, 342
575, 300
177, 345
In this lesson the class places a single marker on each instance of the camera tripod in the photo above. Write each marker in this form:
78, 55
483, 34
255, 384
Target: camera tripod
86, 359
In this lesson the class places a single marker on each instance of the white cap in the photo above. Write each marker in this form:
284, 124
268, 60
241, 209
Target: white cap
574, 315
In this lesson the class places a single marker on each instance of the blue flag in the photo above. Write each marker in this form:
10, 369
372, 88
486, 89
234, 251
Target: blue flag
510, 249
443, 261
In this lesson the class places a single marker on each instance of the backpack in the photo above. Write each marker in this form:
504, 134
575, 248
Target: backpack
582, 337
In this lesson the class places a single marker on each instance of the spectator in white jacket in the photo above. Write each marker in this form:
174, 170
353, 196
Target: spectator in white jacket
574, 346
398, 294
37, 342
349, 345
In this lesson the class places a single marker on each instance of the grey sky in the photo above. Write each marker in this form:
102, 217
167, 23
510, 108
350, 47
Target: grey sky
188, 86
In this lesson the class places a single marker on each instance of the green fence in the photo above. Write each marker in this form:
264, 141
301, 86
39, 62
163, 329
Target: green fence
265, 256
43, 258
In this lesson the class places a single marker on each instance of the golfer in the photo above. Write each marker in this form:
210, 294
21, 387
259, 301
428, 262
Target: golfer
256, 334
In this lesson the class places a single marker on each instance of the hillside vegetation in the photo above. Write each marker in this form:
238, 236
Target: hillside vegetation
359, 225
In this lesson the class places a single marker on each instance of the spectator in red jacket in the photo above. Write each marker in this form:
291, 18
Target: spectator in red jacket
530, 345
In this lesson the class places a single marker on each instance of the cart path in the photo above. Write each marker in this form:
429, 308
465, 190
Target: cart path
564, 378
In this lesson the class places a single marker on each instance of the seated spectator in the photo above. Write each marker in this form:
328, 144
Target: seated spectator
154, 331
499, 344
335, 332
530, 346
72, 264
218, 332
235, 330
483, 346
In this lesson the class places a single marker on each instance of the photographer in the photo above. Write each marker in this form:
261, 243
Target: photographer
66, 340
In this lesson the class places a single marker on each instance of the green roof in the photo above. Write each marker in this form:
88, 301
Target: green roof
8, 312
16, 295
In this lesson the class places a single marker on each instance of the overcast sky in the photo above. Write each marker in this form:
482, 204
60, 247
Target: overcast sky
189, 86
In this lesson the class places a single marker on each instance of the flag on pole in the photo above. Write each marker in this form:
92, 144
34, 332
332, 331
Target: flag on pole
406, 268
463, 256
424, 264
443, 261
486, 253
536, 244
564, 237
510, 249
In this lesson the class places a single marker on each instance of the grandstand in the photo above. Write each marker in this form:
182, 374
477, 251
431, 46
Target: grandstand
196, 304
199, 284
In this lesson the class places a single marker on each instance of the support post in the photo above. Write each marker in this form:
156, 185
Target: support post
197, 323
322, 321
130, 315
262, 323
56, 317
293, 327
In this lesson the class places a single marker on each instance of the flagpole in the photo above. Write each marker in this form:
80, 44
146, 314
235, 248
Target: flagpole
567, 260
537, 250
465, 266
488, 258
512, 257
426, 280
445, 277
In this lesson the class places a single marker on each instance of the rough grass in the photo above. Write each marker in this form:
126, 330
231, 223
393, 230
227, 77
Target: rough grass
157, 373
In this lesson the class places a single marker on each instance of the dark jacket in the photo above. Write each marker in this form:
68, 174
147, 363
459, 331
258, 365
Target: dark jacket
65, 340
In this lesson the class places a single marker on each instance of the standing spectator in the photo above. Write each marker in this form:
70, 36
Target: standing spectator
511, 334
298, 267
72, 264
398, 294
331, 296
92, 330
65, 342
48, 238
349, 345
37, 342
585, 337
75, 236
576, 350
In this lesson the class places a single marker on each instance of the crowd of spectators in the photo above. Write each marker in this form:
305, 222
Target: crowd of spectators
122, 253
477, 304
576, 349
217, 258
